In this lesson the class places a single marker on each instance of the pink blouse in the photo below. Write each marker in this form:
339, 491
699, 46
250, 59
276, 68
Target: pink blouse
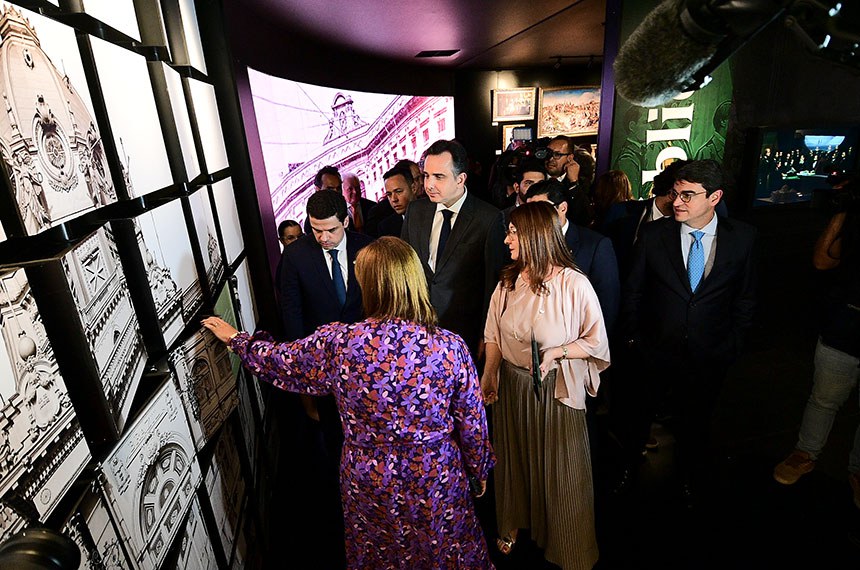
568, 313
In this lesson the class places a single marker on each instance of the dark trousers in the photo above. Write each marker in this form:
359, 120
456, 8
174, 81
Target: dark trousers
688, 387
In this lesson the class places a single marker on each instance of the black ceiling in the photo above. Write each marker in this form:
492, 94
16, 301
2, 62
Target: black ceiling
501, 34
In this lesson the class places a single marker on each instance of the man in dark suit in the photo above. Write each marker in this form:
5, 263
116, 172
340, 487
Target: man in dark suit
316, 286
591, 251
317, 282
688, 301
399, 194
449, 232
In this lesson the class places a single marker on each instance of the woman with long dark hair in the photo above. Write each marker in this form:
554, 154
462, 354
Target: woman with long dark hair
544, 308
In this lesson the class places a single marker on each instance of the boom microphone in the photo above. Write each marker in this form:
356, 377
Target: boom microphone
681, 41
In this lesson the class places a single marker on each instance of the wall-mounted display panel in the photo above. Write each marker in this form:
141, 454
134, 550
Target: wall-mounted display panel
305, 127
182, 120
151, 478
247, 307
226, 488
204, 222
127, 90
209, 125
42, 448
49, 138
110, 325
118, 14
92, 530
228, 217
166, 250
193, 45
10, 522
195, 547
206, 383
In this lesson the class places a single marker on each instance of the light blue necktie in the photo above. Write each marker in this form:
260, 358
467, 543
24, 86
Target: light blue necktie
337, 278
696, 260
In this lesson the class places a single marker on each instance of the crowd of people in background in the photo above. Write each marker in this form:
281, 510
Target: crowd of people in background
560, 285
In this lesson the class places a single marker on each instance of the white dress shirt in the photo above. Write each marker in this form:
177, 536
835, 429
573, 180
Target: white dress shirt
436, 228
341, 259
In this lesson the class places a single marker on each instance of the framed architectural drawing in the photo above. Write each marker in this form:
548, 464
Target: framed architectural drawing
110, 325
150, 479
49, 138
166, 250
209, 125
231, 231
134, 119
194, 547
206, 383
204, 222
42, 447
572, 111
92, 530
10, 522
514, 104
226, 488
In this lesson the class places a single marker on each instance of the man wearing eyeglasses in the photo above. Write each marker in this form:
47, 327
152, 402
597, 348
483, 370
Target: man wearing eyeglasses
688, 301
561, 165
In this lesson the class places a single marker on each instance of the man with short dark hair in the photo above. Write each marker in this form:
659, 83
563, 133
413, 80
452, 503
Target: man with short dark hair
328, 178
688, 301
398, 191
289, 231
449, 232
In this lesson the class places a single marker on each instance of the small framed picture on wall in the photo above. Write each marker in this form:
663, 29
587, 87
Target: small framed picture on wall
514, 104
572, 111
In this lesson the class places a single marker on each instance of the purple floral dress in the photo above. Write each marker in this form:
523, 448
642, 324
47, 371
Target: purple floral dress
414, 427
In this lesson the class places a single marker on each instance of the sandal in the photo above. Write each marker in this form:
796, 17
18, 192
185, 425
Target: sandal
506, 543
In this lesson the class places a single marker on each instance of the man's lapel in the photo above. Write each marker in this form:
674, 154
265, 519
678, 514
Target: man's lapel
671, 238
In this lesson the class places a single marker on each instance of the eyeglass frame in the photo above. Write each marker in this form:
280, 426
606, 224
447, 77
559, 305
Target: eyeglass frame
686, 196
555, 155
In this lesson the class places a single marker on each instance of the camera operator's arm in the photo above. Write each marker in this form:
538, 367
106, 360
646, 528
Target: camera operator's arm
828, 248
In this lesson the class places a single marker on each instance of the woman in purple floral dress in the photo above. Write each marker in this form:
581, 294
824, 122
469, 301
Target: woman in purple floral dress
412, 413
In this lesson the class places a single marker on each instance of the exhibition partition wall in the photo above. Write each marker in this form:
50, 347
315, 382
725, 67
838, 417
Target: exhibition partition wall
124, 424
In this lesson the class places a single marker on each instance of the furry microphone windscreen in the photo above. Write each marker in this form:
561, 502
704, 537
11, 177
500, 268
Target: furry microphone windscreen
659, 58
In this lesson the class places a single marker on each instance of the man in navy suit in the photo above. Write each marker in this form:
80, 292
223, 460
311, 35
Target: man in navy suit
309, 291
688, 301
591, 251
449, 232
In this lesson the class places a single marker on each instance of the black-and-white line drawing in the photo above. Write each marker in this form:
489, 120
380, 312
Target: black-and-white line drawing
50, 141
42, 447
150, 478
100, 291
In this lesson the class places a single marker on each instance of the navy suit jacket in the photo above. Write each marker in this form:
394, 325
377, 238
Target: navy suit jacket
458, 286
594, 255
306, 290
669, 322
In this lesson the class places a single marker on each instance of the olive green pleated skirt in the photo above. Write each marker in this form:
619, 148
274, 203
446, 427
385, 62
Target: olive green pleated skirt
543, 470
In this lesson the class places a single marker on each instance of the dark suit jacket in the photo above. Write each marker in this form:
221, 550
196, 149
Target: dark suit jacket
374, 217
458, 286
622, 226
594, 255
390, 226
306, 291
663, 317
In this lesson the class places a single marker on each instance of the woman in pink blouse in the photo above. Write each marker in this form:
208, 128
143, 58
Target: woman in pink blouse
543, 469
